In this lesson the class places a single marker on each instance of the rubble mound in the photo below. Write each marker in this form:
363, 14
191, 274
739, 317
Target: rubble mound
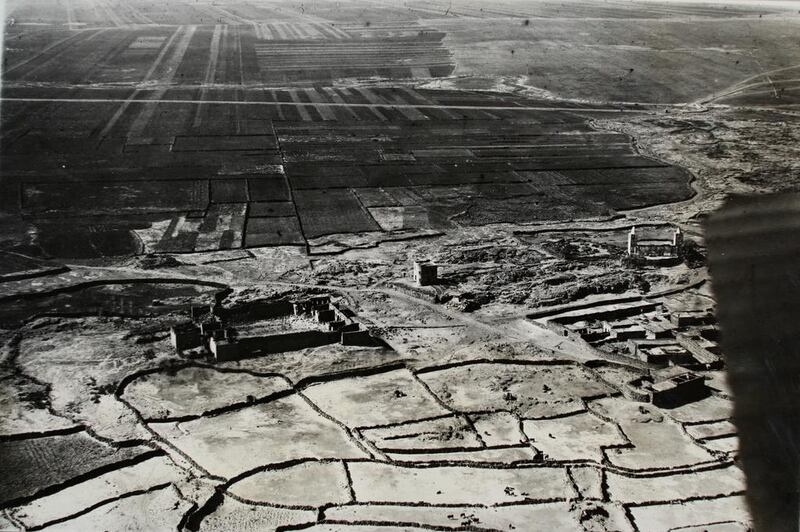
572, 290
512, 254
153, 261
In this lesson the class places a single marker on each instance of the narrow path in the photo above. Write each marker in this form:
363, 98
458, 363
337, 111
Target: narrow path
211, 69
736, 87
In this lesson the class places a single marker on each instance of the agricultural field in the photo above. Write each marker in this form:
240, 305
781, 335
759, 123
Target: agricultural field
218, 132
328, 161
171, 173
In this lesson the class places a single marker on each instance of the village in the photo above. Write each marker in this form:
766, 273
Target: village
355, 265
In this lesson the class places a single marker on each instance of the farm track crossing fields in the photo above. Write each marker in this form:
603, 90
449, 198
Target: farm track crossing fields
255, 53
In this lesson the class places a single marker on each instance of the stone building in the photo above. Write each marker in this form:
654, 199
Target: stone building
656, 250
425, 273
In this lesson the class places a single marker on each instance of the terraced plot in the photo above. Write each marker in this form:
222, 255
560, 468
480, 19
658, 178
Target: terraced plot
36, 465
465, 445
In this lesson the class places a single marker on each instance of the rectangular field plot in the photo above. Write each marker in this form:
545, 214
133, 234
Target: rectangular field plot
221, 228
179, 234
355, 178
225, 143
398, 157
399, 218
468, 176
273, 232
583, 162
222, 159
35, 464
280, 31
228, 190
444, 153
268, 189
16, 266
375, 197
333, 153
325, 212
661, 174
325, 61
634, 195
102, 198
271, 209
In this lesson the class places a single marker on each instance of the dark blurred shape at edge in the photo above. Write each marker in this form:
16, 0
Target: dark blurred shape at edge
754, 256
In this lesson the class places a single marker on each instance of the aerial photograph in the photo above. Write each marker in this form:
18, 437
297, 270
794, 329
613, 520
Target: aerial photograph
400, 265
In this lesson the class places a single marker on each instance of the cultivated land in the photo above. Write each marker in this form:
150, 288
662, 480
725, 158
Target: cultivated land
159, 156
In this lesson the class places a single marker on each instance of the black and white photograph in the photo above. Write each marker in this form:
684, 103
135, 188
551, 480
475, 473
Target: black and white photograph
400, 265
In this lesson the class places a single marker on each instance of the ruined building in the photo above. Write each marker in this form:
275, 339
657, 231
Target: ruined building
335, 323
425, 273
669, 387
656, 250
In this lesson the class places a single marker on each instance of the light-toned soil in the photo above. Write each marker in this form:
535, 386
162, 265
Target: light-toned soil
374, 482
194, 390
305, 484
255, 436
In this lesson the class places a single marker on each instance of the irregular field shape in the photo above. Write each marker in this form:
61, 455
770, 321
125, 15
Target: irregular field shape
505, 455
20, 417
74, 499
486, 386
224, 143
665, 517
194, 390
588, 481
234, 442
375, 198
156, 511
235, 515
576, 437
28, 466
658, 441
271, 209
111, 198
443, 433
305, 484
273, 231
498, 428
723, 445
221, 228
712, 408
399, 218
332, 211
375, 482
547, 516
715, 429
725, 481
16, 264
380, 399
